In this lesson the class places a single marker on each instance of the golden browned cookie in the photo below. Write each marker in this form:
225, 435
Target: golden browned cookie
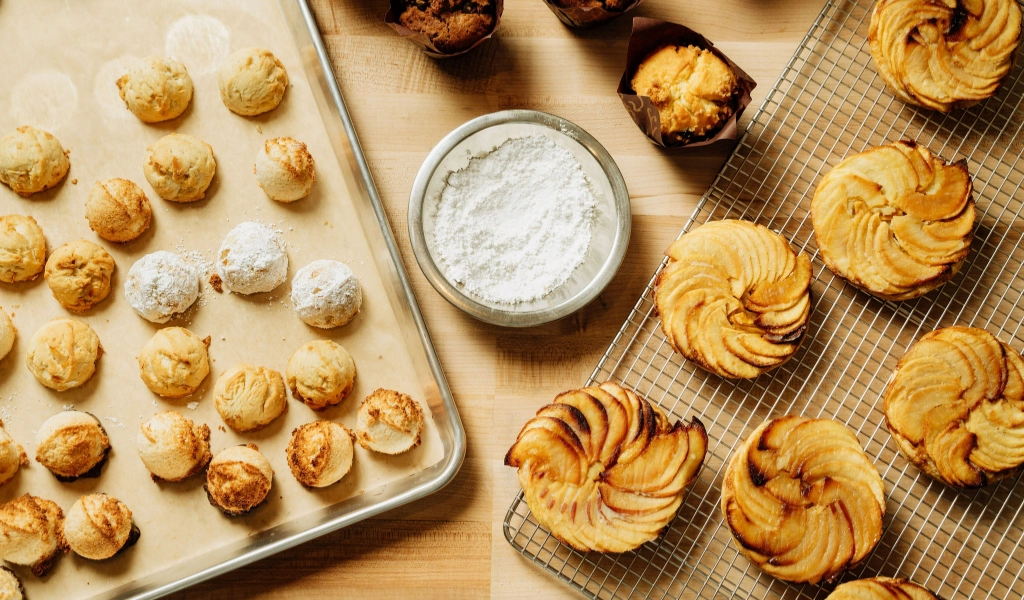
71, 444
98, 526
603, 469
10, 586
31, 160
321, 374
174, 362
320, 453
285, 169
7, 334
12, 456
734, 298
157, 90
802, 499
118, 210
252, 81
238, 479
693, 90
22, 248
450, 25
32, 533
180, 167
896, 221
944, 55
63, 354
389, 422
881, 588
78, 274
249, 398
173, 447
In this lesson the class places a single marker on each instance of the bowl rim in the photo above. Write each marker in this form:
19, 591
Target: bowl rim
512, 318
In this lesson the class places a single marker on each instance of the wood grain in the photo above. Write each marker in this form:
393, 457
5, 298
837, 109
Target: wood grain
450, 545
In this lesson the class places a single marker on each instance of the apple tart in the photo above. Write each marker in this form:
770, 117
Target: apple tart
881, 588
802, 499
602, 468
896, 221
955, 406
734, 298
944, 54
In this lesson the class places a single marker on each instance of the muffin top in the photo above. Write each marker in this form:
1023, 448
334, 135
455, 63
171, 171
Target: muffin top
320, 453
98, 526
450, 25
173, 447
238, 479
71, 443
32, 533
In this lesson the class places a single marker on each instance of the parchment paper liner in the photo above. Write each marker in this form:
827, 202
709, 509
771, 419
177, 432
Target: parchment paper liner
424, 43
580, 18
649, 35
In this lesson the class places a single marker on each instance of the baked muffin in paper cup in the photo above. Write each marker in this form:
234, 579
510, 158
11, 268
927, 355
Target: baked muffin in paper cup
393, 18
650, 35
587, 16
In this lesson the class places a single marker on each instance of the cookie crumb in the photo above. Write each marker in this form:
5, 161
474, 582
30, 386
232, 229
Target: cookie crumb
74, 182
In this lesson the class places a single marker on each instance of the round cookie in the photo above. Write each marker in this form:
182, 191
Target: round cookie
31, 160
325, 294
12, 456
252, 259
78, 274
22, 248
157, 90
32, 533
389, 422
321, 374
7, 334
252, 81
10, 586
173, 447
249, 398
99, 526
238, 479
72, 444
180, 167
161, 285
118, 210
63, 354
285, 169
320, 453
174, 362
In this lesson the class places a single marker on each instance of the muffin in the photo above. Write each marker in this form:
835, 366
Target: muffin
180, 167
63, 354
238, 479
249, 398
881, 588
252, 259
10, 586
118, 210
587, 13
451, 26
72, 444
99, 526
12, 456
31, 160
174, 362
389, 422
32, 533
320, 453
284, 169
22, 248
173, 447
8, 332
321, 374
78, 274
157, 90
252, 81
161, 285
326, 294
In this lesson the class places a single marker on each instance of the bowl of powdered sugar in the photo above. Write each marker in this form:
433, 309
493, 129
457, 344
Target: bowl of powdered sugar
519, 218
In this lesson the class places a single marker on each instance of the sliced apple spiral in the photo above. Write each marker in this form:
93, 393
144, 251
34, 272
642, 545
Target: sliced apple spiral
955, 407
802, 499
734, 298
896, 221
944, 54
602, 469
881, 588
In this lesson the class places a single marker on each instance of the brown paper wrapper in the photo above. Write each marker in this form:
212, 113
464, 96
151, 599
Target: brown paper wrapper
581, 18
395, 10
651, 34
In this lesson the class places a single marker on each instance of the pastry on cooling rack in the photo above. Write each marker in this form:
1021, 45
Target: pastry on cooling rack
603, 469
942, 54
802, 499
734, 298
896, 220
881, 588
955, 406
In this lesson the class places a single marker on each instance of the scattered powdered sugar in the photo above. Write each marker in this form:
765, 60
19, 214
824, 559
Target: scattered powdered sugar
514, 224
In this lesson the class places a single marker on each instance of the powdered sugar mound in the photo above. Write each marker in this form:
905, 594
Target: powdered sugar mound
325, 293
514, 224
160, 285
252, 259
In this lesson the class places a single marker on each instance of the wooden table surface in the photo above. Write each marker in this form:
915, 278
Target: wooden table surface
450, 545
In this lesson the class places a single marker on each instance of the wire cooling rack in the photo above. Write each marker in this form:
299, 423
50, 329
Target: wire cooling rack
829, 102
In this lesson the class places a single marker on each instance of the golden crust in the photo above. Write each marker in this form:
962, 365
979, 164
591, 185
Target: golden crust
252, 81
180, 167
12, 456
22, 248
321, 374
734, 298
78, 274
320, 453
72, 444
159, 89
174, 362
602, 468
249, 397
173, 447
389, 422
881, 588
32, 533
98, 526
896, 221
802, 500
118, 210
63, 354
32, 160
238, 479
285, 169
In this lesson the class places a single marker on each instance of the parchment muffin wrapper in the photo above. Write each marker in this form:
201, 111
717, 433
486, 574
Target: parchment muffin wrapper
582, 18
422, 41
